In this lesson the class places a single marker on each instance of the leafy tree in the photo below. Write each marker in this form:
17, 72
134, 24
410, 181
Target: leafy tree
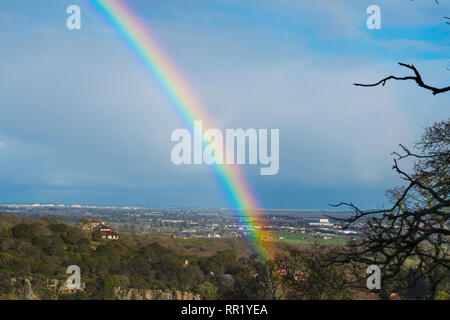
307, 274
24, 231
206, 290
253, 280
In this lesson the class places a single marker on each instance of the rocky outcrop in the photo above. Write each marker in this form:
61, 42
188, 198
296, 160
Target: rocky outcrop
147, 294
28, 291
60, 286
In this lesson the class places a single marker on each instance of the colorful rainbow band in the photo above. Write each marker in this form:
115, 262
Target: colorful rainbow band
168, 76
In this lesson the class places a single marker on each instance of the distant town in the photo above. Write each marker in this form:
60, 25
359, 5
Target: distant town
300, 226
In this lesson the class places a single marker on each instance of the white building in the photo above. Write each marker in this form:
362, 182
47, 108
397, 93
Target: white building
321, 223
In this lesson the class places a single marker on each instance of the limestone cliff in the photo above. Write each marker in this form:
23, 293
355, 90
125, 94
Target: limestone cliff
147, 294
28, 291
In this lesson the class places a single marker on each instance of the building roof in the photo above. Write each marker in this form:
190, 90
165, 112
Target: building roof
109, 233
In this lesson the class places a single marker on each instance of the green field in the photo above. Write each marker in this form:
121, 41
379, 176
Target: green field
305, 239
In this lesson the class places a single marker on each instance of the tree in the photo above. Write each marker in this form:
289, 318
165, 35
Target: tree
24, 231
206, 290
97, 235
410, 240
253, 280
307, 274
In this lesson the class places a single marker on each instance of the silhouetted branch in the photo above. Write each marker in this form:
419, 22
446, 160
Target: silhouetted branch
417, 78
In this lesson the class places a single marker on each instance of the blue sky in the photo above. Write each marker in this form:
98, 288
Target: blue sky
82, 121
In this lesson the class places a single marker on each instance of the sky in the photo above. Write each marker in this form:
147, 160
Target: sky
82, 122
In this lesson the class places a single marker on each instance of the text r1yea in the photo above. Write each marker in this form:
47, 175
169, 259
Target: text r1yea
252, 309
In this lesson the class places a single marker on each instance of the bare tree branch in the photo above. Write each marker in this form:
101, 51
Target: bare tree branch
417, 78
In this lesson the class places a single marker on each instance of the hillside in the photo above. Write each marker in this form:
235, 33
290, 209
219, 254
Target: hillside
39, 251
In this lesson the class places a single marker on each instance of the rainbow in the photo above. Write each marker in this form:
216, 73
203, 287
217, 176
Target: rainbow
190, 108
